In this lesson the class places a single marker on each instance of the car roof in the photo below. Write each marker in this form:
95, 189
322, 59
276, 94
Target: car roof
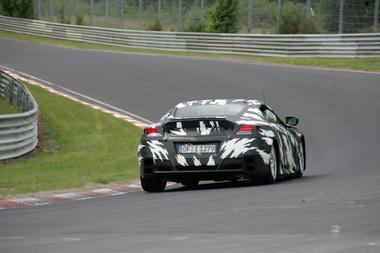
248, 102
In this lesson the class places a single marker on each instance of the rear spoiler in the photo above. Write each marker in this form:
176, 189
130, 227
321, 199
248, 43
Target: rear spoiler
196, 118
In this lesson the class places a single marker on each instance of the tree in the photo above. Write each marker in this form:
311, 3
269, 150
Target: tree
17, 8
223, 17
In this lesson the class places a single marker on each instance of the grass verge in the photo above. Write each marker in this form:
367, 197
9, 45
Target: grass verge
5, 108
79, 146
368, 64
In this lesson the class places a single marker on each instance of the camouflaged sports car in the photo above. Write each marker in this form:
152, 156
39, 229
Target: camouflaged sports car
222, 139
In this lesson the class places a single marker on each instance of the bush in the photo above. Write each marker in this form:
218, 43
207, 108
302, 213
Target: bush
223, 17
263, 16
192, 20
60, 7
293, 20
198, 27
17, 8
79, 19
156, 26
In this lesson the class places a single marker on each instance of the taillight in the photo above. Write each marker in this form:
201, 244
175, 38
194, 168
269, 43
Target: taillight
151, 131
247, 129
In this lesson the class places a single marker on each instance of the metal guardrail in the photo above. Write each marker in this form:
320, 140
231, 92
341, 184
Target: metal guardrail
342, 45
18, 132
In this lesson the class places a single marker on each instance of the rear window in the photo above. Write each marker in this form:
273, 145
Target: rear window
209, 110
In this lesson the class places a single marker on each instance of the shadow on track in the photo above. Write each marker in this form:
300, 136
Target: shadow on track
211, 185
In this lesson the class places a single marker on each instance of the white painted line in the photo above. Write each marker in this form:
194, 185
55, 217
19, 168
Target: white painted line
78, 94
108, 191
30, 201
73, 196
71, 239
335, 229
137, 186
115, 114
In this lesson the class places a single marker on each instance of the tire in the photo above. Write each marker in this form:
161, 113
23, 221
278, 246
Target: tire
153, 184
301, 162
271, 174
190, 182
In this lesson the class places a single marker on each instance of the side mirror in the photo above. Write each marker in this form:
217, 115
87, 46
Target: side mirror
291, 121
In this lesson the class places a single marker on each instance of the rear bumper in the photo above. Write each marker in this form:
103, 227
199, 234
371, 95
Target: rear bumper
247, 166
234, 157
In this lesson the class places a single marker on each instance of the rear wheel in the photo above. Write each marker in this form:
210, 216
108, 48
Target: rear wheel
153, 184
190, 182
270, 176
301, 162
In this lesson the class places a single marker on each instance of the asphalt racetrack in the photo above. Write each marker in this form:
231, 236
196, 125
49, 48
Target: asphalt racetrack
334, 208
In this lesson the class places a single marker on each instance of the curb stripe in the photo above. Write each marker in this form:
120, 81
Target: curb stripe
129, 119
72, 196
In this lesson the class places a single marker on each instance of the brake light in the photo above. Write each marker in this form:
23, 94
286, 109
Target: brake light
247, 129
151, 131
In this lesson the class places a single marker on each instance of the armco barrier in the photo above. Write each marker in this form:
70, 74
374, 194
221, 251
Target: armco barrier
341, 45
18, 132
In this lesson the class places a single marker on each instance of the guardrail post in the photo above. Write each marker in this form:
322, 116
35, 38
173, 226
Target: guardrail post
51, 10
249, 16
107, 10
91, 12
202, 10
19, 96
122, 13
10, 92
159, 11
140, 13
24, 102
39, 10
278, 16
376, 16
341, 6
179, 15
307, 9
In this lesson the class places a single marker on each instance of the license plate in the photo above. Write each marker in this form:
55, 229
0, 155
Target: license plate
200, 149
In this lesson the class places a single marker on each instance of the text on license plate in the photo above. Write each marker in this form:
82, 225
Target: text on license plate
190, 148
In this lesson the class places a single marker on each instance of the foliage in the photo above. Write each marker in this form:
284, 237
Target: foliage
60, 9
192, 18
293, 20
263, 15
155, 26
17, 8
223, 17
196, 27
79, 18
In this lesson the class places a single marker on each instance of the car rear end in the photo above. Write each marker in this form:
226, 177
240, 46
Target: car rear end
203, 149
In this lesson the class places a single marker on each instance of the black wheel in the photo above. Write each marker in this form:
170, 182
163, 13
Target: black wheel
271, 174
153, 184
190, 182
301, 162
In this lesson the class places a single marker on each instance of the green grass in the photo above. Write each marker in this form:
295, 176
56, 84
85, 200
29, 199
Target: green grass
5, 108
369, 64
82, 146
